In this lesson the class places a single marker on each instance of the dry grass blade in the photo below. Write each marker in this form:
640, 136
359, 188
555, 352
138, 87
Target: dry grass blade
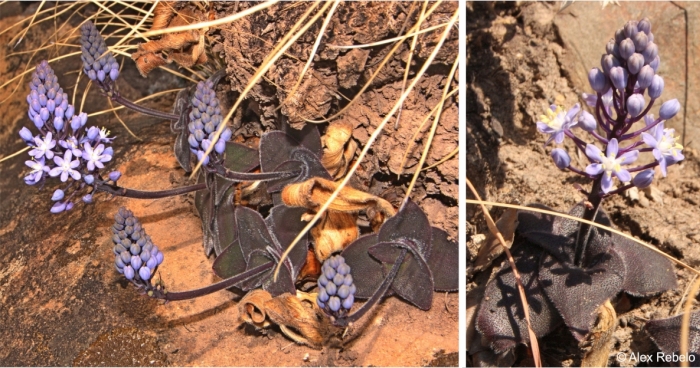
14, 154
369, 143
685, 322
534, 345
26, 29
444, 159
212, 23
390, 40
424, 155
313, 52
275, 54
122, 121
407, 69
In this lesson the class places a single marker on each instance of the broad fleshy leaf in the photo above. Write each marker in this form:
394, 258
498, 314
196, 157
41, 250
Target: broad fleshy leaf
414, 281
666, 334
285, 223
643, 281
240, 158
357, 257
409, 223
230, 262
444, 262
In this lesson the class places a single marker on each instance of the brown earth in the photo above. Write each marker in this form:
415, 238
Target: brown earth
63, 303
517, 66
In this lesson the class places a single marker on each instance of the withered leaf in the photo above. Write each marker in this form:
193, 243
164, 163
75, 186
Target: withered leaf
338, 148
491, 247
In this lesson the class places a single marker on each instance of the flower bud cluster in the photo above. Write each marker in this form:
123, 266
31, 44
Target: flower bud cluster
98, 64
629, 70
336, 290
205, 118
136, 257
64, 147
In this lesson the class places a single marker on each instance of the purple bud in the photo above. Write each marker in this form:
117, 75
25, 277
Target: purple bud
93, 132
348, 280
70, 111
618, 76
44, 114
338, 279
115, 175
348, 302
644, 25
598, 80
226, 134
655, 63
587, 122
35, 105
640, 41
43, 100
322, 295
343, 291
631, 28
118, 262
669, 109
645, 76
656, 87
129, 272
57, 195
334, 303
51, 93
192, 141
626, 48
26, 134
58, 99
87, 198
643, 179
331, 288
126, 257
635, 63
145, 255
92, 75
38, 122
51, 105
58, 123
561, 158
620, 35
608, 62
136, 262
69, 206
83, 118
198, 135
220, 146
114, 74
343, 269
152, 263
159, 257
101, 75
205, 144
322, 281
75, 123
58, 112
635, 104
58, 207
145, 273
650, 52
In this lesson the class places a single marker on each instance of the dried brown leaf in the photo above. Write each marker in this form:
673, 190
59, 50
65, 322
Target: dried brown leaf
491, 247
312, 267
601, 337
297, 317
333, 233
252, 310
338, 148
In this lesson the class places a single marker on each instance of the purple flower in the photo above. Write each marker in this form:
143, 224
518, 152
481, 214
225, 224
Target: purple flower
95, 157
43, 147
71, 144
38, 170
667, 150
556, 122
103, 136
609, 164
65, 167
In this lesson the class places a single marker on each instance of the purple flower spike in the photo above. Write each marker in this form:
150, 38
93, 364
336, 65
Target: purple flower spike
609, 164
643, 179
556, 122
561, 158
669, 109
635, 105
666, 148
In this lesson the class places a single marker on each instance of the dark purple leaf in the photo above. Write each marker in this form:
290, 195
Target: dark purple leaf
252, 232
367, 272
230, 262
285, 224
409, 223
444, 262
643, 281
307, 137
666, 334
500, 318
413, 282
241, 158
275, 148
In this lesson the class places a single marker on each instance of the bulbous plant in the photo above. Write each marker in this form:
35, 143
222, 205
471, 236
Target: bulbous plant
569, 269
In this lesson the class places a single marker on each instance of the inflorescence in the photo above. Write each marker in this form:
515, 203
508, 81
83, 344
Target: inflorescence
98, 64
205, 118
336, 290
64, 147
629, 70
136, 257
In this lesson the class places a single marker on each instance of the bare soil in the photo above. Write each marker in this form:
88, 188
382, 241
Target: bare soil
516, 68
61, 300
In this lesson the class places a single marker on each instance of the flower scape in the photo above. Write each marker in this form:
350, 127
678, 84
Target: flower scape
263, 255
571, 271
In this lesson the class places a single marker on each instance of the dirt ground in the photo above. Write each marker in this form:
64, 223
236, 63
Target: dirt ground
63, 303
516, 67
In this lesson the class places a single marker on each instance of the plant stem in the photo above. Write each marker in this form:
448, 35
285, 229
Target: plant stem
378, 294
133, 193
225, 284
115, 96
223, 172
589, 214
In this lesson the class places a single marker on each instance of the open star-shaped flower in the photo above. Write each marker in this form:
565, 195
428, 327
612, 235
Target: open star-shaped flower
557, 121
667, 150
43, 147
38, 170
96, 156
65, 167
610, 163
